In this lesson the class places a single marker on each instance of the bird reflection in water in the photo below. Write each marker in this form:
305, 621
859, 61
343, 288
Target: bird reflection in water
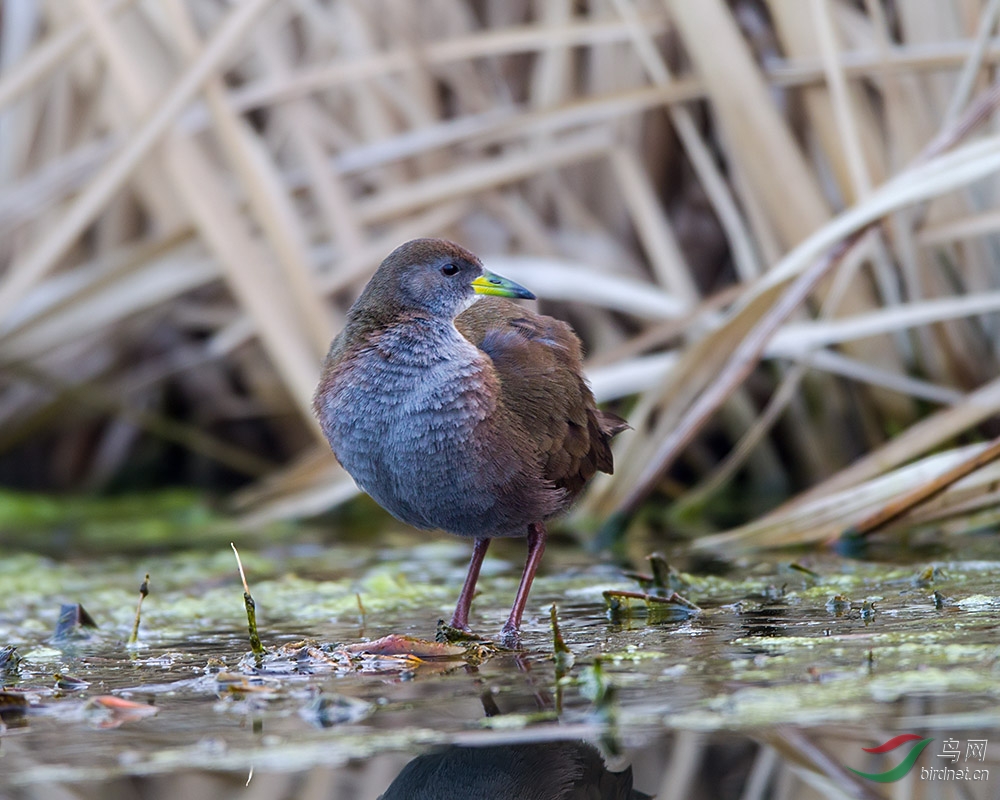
571, 770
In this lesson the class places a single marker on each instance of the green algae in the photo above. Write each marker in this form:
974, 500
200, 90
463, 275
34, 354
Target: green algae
133, 523
765, 651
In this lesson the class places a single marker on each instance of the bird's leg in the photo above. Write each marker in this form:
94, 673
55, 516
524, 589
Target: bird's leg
510, 635
460, 619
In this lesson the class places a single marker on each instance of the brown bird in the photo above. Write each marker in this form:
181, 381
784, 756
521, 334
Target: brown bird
469, 417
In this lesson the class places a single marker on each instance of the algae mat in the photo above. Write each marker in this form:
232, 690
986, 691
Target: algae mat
787, 670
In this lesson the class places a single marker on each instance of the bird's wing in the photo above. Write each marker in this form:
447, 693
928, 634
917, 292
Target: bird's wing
538, 361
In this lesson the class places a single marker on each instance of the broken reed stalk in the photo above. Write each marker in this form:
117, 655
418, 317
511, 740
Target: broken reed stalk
922, 493
563, 656
673, 599
143, 591
361, 612
751, 349
736, 370
251, 609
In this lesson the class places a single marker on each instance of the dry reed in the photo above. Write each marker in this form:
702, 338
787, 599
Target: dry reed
191, 194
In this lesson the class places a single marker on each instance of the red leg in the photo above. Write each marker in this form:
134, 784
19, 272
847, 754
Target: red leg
510, 635
460, 619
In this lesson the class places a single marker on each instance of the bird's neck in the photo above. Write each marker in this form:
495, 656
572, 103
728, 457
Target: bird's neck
420, 340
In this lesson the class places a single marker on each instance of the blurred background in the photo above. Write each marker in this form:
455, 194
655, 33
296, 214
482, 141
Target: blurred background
773, 224
193, 193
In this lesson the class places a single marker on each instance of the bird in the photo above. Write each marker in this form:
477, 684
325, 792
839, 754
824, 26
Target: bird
565, 770
456, 409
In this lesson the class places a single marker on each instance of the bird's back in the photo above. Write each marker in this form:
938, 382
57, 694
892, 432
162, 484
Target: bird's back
538, 361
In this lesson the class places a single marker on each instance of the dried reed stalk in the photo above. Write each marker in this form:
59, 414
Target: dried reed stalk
192, 193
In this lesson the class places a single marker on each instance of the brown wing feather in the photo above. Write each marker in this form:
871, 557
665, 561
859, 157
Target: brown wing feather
538, 360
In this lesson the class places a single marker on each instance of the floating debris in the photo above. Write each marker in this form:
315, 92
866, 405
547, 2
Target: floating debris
773, 592
663, 580
13, 706
672, 608
10, 660
396, 645
838, 604
73, 623
389, 654
69, 683
445, 633
329, 710
108, 711
927, 577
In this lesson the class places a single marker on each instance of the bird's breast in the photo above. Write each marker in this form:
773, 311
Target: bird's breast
414, 436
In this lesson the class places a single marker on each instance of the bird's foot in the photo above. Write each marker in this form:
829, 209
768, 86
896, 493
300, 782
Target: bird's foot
455, 635
510, 638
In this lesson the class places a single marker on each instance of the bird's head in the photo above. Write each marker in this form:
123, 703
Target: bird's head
436, 277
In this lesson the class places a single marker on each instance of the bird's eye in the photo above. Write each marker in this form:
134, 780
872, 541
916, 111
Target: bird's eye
449, 269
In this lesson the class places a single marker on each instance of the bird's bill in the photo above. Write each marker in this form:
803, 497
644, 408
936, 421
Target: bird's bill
490, 283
